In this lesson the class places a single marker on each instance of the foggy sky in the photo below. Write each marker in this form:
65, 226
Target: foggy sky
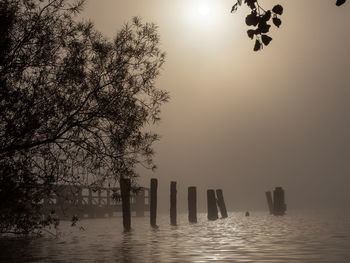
242, 121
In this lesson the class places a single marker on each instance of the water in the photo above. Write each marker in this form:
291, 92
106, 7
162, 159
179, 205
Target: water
296, 237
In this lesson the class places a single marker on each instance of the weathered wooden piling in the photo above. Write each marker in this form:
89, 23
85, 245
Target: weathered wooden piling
125, 187
153, 203
173, 203
192, 204
221, 203
269, 201
279, 206
212, 208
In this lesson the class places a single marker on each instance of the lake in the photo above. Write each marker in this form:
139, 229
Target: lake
296, 237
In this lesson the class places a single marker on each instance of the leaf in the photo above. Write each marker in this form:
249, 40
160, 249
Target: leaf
266, 17
264, 27
266, 39
277, 21
239, 2
252, 19
234, 8
340, 2
278, 9
251, 33
257, 45
250, 3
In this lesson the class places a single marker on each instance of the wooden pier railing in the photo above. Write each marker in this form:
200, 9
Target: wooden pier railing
68, 200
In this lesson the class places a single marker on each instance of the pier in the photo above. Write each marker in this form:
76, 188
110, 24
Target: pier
84, 202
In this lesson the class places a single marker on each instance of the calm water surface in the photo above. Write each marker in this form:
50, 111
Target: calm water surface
296, 237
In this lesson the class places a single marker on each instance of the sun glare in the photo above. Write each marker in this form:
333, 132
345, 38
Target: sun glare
203, 10
204, 17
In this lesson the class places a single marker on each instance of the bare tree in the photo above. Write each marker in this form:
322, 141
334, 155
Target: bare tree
75, 107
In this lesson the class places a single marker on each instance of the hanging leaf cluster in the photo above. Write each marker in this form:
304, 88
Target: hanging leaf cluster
260, 19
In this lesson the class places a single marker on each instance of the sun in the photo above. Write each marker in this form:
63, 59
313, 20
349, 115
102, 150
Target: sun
203, 10
203, 16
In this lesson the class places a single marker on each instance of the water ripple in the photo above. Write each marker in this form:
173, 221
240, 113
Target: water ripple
298, 237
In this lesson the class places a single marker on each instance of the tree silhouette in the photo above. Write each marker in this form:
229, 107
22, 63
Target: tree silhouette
259, 18
74, 106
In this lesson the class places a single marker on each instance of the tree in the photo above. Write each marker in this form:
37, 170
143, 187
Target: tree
259, 18
74, 106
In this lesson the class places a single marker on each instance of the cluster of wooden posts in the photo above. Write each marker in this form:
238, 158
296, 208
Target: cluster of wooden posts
215, 199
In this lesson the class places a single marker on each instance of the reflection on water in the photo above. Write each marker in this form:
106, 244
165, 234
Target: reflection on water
297, 237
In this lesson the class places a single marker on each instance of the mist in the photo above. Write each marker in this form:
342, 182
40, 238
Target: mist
247, 122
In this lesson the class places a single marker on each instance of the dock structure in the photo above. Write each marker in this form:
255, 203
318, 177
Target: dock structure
85, 202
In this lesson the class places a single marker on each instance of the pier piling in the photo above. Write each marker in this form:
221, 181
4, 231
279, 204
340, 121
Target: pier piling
192, 204
279, 206
173, 203
153, 203
125, 187
212, 208
221, 203
269, 201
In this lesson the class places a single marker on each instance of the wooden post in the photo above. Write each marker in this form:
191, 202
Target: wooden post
269, 201
212, 208
221, 203
153, 204
279, 206
192, 204
140, 203
125, 187
173, 203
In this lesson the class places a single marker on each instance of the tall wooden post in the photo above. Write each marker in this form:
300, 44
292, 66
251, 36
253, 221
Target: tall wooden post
221, 203
279, 205
212, 208
153, 204
125, 187
173, 203
192, 204
269, 201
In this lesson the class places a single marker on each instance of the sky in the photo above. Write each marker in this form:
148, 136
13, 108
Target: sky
243, 121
